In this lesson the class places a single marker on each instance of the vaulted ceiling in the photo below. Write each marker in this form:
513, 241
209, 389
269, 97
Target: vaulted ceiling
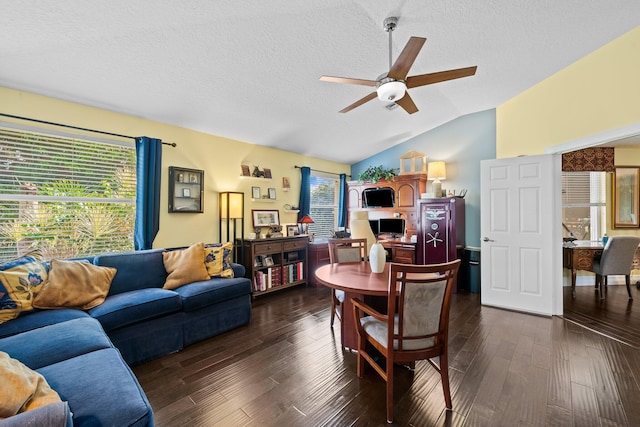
249, 69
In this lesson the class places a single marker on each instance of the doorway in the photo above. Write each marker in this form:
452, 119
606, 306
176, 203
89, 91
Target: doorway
614, 316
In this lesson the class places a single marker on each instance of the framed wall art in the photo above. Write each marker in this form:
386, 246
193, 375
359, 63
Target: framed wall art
626, 197
265, 218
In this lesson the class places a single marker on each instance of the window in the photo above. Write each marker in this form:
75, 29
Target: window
583, 205
65, 195
324, 205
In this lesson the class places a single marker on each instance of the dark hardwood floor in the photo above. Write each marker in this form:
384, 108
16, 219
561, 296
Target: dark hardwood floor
616, 316
287, 368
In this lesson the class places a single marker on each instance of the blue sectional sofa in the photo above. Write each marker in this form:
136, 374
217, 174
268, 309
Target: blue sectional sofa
84, 355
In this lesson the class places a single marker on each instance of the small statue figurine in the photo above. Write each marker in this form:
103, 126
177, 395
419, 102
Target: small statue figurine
257, 172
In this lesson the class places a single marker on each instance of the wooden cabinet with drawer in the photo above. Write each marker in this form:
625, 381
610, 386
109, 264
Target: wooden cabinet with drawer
277, 263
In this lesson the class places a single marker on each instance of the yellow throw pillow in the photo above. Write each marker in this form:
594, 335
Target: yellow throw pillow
184, 266
20, 281
217, 259
22, 388
75, 284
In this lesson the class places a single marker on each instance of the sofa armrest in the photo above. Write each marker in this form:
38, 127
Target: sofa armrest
238, 270
51, 415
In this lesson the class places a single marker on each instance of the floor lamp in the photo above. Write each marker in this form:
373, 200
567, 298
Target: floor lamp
231, 209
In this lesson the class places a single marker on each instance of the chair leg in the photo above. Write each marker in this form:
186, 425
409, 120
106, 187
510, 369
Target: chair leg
627, 279
598, 280
333, 307
389, 388
444, 375
603, 286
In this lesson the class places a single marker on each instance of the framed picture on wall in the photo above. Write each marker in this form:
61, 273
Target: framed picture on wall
265, 218
626, 197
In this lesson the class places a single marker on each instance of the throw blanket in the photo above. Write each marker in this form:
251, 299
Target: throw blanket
22, 389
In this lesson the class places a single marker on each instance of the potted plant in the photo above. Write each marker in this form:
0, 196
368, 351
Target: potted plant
376, 173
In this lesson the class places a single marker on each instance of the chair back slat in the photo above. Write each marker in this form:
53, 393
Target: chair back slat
347, 250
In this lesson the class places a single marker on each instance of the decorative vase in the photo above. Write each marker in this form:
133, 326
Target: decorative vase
377, 258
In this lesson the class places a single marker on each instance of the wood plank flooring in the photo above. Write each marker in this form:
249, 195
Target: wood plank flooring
616, 316
287, 368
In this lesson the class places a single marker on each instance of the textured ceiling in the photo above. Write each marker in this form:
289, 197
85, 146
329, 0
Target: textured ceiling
249, 69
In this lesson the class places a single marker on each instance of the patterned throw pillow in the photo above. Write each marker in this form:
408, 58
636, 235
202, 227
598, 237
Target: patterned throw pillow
20, 281
217, 259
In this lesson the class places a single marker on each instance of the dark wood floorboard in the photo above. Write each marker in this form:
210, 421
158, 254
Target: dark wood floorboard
615, 316
287, 368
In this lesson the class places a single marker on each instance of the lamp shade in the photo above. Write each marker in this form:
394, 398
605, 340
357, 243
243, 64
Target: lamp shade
436, 171
391, 91
231, 205
306, 220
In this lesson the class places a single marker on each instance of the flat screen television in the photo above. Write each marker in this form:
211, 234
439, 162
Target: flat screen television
374, 226
393, 226
380, 197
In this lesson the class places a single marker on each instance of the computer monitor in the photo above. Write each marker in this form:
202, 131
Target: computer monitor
393, 226
373, 223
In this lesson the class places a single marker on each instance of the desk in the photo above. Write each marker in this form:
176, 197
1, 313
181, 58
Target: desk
357, 281
580, 255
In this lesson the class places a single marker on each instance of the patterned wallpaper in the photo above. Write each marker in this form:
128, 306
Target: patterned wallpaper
595, 159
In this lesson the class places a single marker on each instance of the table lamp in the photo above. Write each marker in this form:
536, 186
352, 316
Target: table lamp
304, 223
436, 172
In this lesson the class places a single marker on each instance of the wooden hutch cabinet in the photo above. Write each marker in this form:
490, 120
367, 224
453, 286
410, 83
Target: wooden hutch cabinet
407, 190
441, 237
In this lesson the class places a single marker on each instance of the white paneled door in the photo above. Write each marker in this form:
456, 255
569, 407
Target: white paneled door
517, 232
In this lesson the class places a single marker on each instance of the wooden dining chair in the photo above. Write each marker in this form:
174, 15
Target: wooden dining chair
344, 250
415, 327
616, 259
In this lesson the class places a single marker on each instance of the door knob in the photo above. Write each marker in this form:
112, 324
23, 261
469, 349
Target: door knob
486, 239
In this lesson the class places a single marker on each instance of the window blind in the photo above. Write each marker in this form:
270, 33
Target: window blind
323, 205
65, 196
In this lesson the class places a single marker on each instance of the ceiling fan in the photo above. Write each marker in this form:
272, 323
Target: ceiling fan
393, 85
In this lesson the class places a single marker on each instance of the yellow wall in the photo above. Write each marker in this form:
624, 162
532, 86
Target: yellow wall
599, 92
219, 157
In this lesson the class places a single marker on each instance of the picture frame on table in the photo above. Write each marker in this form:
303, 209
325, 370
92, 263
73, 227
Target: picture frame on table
292, 230
268, 261
255, 192
626, 197
272, 193
265, 218
245, 170
267, 173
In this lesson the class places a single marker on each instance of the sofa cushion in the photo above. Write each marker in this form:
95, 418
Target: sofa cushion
135, 306
22, 388
136, 270
20, 280
54, 343
101, 390
185, 266
217, 259
199, 294
74, 284
39, 318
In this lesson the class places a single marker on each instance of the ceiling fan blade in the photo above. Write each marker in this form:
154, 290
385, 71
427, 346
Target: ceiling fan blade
359, 102
441, 76
401, 67
407, 103
348, 80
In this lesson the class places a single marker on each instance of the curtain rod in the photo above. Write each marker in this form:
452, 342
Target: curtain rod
317, 170
173, 144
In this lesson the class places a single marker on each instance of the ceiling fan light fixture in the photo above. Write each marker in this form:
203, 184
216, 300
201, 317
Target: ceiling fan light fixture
391, 91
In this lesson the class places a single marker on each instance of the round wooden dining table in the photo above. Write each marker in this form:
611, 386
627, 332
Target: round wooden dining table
357, 281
